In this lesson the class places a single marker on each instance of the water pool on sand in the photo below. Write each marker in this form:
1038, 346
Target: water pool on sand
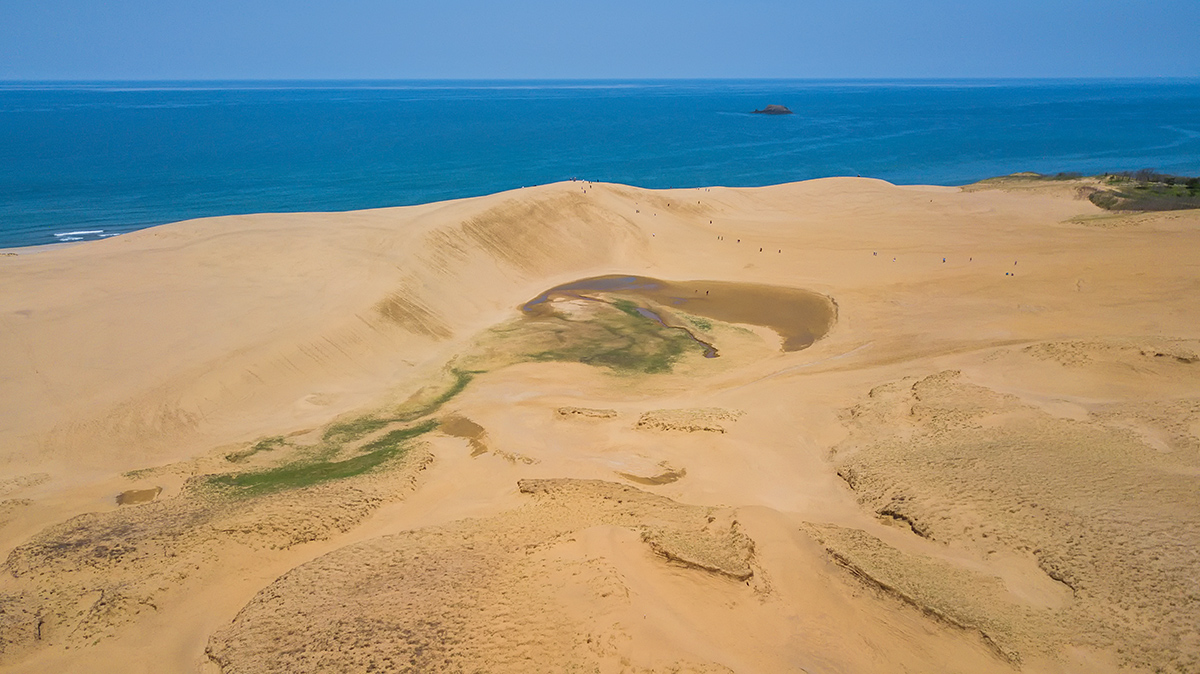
801, 317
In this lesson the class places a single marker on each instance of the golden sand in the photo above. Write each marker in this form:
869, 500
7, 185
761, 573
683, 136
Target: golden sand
972, 444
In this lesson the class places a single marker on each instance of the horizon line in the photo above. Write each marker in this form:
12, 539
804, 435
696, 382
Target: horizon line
612, 79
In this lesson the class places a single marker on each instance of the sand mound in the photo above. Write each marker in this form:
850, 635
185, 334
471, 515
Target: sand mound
1141, 352
9, 508
707, 420
666, 475
11, 484
80, 581
1099, 510
475, 595
948, 593
584, 413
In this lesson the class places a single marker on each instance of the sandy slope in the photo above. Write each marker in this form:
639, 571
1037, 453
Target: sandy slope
990, 463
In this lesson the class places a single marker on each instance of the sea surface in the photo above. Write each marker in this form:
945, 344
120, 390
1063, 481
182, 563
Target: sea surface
81, 161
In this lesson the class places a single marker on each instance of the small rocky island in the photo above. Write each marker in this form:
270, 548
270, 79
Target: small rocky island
774, 110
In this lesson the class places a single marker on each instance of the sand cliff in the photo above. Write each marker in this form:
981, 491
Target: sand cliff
343, 446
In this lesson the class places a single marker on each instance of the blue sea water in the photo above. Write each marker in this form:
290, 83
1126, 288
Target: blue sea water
87, 160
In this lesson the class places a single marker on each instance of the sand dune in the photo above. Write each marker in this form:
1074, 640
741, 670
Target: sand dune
341, 445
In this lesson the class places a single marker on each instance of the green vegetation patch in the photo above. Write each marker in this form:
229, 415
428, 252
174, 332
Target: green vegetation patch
1146, 191
1029, 175
341, 432
620, 339
461, 379
628, 308
319, 463
351, 430
264, 445
305, 473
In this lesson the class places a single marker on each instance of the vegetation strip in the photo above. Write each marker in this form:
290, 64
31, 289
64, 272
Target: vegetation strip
305, 474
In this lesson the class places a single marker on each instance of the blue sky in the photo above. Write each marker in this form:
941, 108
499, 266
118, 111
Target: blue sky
594, 39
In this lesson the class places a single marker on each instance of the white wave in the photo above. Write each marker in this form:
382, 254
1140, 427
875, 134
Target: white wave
80, 233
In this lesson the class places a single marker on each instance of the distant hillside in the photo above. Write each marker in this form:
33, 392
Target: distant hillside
1143, 190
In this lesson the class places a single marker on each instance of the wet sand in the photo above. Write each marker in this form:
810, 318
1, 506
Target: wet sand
132, 496
948, 430
462, 427
800, 317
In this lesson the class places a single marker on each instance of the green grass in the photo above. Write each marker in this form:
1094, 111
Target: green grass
623, 341
341, 432
1147, 191
1143, 190
461, 379
1032, 176
264, 445
1146, 198
351, 430
299, 474
317, 464
628, 308
1062, 175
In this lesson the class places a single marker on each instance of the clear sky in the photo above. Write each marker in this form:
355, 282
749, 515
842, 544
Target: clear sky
596, 39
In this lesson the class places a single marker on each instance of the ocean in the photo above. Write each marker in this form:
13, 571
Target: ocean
82, 161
